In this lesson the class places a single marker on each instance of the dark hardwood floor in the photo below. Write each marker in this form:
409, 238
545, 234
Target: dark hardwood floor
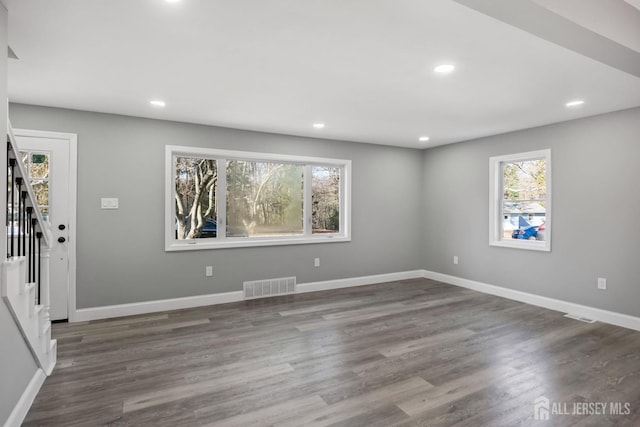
406, 353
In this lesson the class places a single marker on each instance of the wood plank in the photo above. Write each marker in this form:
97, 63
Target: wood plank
195, 388
275, 414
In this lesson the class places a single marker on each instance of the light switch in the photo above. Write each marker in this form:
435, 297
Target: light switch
109, 203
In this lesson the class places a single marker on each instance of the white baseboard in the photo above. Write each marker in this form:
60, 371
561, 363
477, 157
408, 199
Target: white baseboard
26, 400
358, 281
599, 314
109, 311
106, 312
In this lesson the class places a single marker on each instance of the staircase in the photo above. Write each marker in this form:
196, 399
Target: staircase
25, 273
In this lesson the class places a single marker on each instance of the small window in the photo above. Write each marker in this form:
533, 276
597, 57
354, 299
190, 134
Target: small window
520, 200
221, 199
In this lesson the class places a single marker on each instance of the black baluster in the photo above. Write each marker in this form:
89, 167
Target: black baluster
19, 182
9, 178
39, 236
12, 164
24, 222
30, 230
34, 221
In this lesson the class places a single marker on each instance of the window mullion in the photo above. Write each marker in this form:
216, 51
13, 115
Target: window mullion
307, 207
345, 224
221, 199
500, 202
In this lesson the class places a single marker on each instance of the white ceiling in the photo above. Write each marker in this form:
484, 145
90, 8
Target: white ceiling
363, 67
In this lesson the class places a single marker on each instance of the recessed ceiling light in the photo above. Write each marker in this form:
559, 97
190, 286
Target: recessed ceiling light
318, 125
157, 103
172, 1
444, 68
574, 103
423, 139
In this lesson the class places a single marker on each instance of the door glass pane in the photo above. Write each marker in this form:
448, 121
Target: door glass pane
264, 199
325, 199
39, 165
25, 159
41, 191
44, 211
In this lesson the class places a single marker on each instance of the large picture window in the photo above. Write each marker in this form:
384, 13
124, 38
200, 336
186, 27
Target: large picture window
221, 199
520, 204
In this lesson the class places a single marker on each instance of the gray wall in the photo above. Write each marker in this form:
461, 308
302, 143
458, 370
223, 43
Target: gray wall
17, 365
121, 257
596, 212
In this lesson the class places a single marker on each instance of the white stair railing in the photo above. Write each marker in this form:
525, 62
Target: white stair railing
25, 272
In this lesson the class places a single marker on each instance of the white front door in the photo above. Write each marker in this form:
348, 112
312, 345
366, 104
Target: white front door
47, 157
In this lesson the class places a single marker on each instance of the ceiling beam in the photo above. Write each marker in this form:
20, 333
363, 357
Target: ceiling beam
543, 23
634, 3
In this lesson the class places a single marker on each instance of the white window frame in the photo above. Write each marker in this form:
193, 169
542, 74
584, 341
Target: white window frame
222, 241
496, 196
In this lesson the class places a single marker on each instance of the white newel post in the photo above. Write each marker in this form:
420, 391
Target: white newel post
45, 294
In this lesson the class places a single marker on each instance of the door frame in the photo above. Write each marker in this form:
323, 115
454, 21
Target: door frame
72, 139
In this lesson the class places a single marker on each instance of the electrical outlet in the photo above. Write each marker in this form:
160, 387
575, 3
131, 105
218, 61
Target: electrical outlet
208, 271
316, 262
455, 259
602, 283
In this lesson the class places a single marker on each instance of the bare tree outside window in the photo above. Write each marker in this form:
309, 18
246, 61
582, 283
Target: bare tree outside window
325, 199
264, 198
195, 197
